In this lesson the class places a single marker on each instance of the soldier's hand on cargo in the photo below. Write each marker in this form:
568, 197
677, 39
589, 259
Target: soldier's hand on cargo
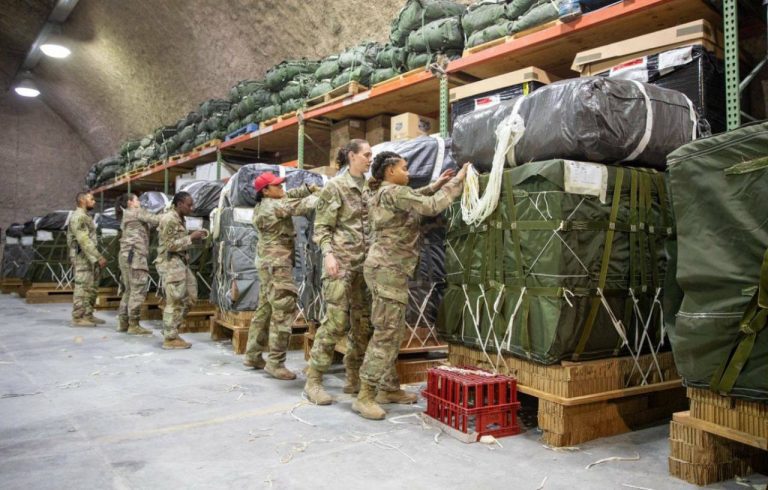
314, 188
198, 234
331, 265
463, 172
102, 262
444, 178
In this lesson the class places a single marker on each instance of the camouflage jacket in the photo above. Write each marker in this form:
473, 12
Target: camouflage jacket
396, 212
341, 221
272, 219
134, 239
81, 237
173, 243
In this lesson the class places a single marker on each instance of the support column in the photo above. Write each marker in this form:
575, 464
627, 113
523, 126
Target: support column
732, 95
300, 142
444, 115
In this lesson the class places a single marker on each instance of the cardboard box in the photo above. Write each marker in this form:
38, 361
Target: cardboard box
377, 129
409, 125
344, 131
519, 77
594, 61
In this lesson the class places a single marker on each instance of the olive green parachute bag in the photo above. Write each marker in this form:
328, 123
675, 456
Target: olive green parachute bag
440, 35
718, 189
570, 265
418, 13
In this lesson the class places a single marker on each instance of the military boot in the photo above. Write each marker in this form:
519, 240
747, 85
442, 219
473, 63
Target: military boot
135, 329
82, 322
122, 324
95, 320
366, 405
400, 396
255, 363
279, 371
177, 343
353, 381
314, 388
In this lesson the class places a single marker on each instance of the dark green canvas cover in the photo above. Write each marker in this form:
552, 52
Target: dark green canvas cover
328, 68
495, 31
382, 74
391, 57
541, 13
298, 88
320, 88
421, 60
279, 75
440, 35
361, 74
483, 14
562, 255
362, 54
719, 187
417, 13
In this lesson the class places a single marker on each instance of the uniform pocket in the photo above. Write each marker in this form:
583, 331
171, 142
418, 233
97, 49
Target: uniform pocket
387, 283
139, 263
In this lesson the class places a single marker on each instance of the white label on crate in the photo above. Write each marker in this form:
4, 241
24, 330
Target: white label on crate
586, 178
108, 232
194, 223
636, 69
243, 215
9, 240
43, 236
27, 240
668, 60
489, 101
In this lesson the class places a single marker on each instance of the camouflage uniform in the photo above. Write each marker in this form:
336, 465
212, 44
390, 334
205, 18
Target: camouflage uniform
341, 227
84, 255
396, 212
179, 282
274, 260
134, 268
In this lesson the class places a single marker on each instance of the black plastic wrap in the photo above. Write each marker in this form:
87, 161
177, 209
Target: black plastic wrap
240, 187
29, 227
107, 220
16, 230
476, 102
205, 195
56, 220
16, 260
154, 201
427, 157
594, 119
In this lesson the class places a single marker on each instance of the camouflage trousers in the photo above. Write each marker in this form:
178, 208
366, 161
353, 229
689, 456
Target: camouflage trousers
180, 296
86, 287
135, 283
274, 316
390, 298
347, 311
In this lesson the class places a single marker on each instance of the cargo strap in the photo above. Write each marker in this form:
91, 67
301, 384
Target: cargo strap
648, 124
421, 319
752, 323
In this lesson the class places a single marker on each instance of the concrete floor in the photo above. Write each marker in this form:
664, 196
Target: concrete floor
90, 408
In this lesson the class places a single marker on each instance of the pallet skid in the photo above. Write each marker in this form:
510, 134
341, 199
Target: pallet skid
108, 300
399, 77
11, 285
235, 325
348, 89
275, 120
207, 144
198, 317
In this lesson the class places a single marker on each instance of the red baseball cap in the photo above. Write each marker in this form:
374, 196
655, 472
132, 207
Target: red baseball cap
265, 179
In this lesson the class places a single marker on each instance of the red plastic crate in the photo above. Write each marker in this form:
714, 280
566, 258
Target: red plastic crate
472, 400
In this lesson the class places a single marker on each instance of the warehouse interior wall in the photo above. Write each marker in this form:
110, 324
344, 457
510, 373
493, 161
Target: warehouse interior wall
42, 160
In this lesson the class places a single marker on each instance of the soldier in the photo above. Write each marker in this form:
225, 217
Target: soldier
135, 224
340, 231
275, 256
86, 261
173, 264
395, 214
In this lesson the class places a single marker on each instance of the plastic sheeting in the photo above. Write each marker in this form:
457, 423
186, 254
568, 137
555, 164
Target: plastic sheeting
205, 195
427, 157
593, 119
240, 191
16, 230
57, 220
154, 202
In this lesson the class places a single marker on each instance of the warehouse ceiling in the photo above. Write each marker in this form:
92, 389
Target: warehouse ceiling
136, 65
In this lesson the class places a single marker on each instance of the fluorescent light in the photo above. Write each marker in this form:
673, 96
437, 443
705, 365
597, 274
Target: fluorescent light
26, 88
55, 47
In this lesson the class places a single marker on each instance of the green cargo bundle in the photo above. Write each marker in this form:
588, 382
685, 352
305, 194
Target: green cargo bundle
361, 74
483, 14
298, 88
320, 88
328, 68
422, 60
570, 265
485, 21
391, 57
495, 31
362, 54
718, 187
279, 75
440, 35
270, 112
382, 74
292, 105
541, 13
418, 13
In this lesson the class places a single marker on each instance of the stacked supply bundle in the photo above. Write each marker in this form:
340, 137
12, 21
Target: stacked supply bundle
17, 253
214, 121
427, 28
562, 259
427, 158
104, 171
278, 80
390, 61
186, 128
357, 64
717, 329
236, 282
50, 254
246, 99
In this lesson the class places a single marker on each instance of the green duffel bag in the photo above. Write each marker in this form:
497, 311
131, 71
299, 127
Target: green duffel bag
234, 126
187, 146
391, 57
278, 76
570, 264
539, 14
129, 146
202, 138
188, 133
328, 68
149, 152
216, 122
244, 88
719, 335
292, 105
483, 14
147, 140
362, 54
382, 74
360, 74
495, 31
297, 88
517, 8
320, 88
137, 153
422, 60
218, 135
270, 112
234, 113
191, 118
212, 106
418, 13
440, 35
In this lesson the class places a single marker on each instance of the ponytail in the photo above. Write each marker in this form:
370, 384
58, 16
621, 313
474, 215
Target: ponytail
342, 157
122, 204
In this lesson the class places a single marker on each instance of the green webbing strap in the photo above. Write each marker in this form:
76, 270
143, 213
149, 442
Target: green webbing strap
466, 259
633, 235
651, 227
512, 211
499, 265
595, 305
752, 323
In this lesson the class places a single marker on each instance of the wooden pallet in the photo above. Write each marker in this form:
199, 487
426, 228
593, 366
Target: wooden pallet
175, 158
11, 285
337, 94
48, 292
198, 317
399, 77
582, 401
275, 120
235, 325
207, 144
506, 39
108, 300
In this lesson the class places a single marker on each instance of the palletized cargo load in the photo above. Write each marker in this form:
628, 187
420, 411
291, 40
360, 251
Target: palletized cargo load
718, 188
570, 265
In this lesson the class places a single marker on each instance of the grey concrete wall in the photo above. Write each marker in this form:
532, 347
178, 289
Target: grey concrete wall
43, 161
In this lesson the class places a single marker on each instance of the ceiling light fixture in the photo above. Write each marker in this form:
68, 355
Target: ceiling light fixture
27, 88
55, 47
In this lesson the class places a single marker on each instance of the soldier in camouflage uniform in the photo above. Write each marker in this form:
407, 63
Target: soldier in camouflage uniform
173, 264
86, 260
275, 256
340, 231
135, 224
395, 214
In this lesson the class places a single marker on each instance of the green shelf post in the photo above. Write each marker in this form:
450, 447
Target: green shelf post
129, 186
300, 142
444, 106
166, 176
732, 93
218, 164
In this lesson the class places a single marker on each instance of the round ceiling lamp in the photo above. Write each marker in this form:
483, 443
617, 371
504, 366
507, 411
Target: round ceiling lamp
27, 88
55, 47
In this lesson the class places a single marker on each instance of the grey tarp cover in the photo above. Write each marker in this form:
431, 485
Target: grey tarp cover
427, 157
205, 195
590, 119
240, 191
526, 279
106, 220
16, 230
718, 186
154, 202
417, 13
